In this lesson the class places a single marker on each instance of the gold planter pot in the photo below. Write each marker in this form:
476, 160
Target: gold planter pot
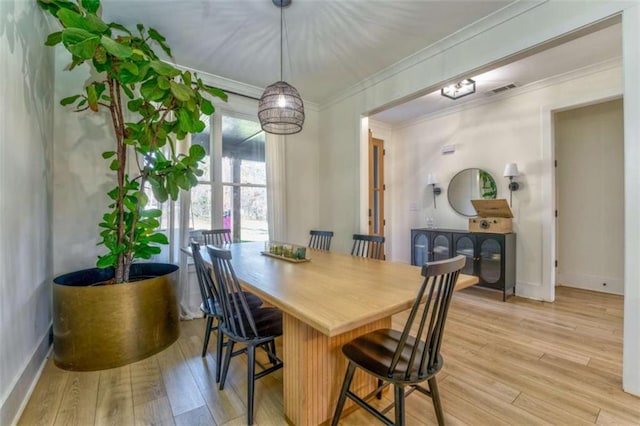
107, 326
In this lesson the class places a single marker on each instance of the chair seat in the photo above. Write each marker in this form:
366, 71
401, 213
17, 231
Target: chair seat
212, 306
374, 352
268, 322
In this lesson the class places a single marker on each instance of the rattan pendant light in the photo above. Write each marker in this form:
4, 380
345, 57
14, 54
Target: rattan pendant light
280, 110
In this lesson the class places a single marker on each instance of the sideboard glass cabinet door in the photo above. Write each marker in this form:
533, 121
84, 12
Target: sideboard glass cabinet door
490, 260
464, 245
420, 248
441, 248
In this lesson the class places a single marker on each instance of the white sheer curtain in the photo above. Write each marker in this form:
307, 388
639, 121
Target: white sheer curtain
188, 294
276, 187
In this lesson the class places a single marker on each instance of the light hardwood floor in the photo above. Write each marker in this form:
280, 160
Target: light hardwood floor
519, 362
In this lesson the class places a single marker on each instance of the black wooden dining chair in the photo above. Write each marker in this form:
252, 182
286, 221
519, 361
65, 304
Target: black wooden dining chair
210, 305
371, 246
320, 240
217, 237
253, 328
401, 359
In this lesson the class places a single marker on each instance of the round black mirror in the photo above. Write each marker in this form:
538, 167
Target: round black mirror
470, 184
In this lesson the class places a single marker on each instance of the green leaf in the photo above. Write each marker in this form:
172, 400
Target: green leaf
163, 68
151, 91
107, 261
163, 83
109, 154
197, 152
158, 238
82, 44
53, 39
155, 35
116, 49
130, 204
69, 100
95, 24
114, 165
71, 19
92, 97
214, 91
119, 27
91, 6
185, 120
207, 107
160, 193
113, 194
127, 91
151, 213
180, 91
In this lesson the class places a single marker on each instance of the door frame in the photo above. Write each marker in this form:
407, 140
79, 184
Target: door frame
548, 182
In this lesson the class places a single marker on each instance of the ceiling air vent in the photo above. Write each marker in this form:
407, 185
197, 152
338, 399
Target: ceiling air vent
502, 89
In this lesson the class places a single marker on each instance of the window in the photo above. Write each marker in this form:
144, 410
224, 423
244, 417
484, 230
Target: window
232, 193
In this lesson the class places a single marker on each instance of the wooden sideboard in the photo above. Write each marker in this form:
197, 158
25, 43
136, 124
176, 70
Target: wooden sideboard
490, 257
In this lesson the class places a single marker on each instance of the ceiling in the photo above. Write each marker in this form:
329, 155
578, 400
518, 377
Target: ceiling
330, 45
594, 48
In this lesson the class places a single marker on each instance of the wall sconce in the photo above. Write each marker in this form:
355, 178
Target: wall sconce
433, 181
511, 171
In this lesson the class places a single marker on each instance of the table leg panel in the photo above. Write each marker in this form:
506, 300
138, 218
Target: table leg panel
314, 368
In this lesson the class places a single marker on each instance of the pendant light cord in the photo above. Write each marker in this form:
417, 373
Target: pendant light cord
281, 42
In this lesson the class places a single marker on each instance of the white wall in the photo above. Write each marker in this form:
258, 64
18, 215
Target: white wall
458, 56
302, 171
81, 177
485, 136
589, 145
26, 94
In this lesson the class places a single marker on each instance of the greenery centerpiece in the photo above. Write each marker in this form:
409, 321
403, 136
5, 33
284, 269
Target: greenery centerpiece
151, 104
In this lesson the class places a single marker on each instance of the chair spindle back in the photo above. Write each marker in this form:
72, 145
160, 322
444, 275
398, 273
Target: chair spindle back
371, 246
237, 318
438, 286
320, 239
217, 237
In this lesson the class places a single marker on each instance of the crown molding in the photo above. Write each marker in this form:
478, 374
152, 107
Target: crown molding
236, 86
472, 30
527, 88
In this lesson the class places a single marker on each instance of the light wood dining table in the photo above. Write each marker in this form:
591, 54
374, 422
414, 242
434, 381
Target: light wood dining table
325, 302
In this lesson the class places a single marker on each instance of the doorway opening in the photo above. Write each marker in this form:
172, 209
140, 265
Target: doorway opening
589, 188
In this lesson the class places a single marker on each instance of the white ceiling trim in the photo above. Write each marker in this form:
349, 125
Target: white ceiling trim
485, 24
236, 86
556, 79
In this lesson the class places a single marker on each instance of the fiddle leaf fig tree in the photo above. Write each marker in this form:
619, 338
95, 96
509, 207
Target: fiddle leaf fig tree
150, 104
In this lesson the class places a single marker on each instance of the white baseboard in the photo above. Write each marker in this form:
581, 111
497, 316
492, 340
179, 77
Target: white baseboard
591, 282
530, 290
12, 407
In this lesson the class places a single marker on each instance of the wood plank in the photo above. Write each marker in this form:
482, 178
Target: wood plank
224, 405
547, 411
155, 412
43, 405
181, 387
198, 417
115, 397
78, 405
150, 402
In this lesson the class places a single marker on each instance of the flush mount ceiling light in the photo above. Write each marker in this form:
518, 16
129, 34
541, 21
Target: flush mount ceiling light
458, 90
280, 110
